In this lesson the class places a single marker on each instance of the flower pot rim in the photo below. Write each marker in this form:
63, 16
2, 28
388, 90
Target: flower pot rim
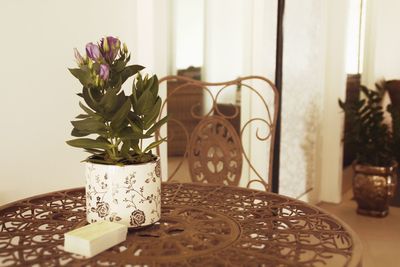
157, 158
365, 168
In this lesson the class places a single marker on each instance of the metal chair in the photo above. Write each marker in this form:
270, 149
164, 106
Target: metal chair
218, 140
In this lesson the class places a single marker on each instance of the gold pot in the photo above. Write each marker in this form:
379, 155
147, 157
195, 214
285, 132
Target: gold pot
373, 187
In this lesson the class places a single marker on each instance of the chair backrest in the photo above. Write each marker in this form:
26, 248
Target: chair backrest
214, 137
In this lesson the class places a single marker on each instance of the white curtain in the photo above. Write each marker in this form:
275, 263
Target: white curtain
240, 38
303, 88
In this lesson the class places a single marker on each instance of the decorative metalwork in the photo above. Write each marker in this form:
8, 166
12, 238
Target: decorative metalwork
373, 187
201, 225
215, 154
214, 150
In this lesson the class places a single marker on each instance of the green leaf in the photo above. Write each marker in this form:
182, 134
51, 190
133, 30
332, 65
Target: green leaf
128, 133
130, 71
135, 128
119, 64
121, 98
90, 98
83, 76
133, 99
135, 120
148, 84
89, 124
154, 144
136, 148
77, 133
102, 139
144, 103
154, 87
87, 110
109, 100
94, 151
82, 116
125, 149
157, 125
138, 86
89, 143
151, 117
121, 115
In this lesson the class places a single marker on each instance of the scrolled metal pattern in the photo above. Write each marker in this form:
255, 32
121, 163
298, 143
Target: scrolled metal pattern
201, 225
214, 151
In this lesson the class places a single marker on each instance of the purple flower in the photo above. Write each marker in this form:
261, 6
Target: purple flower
78, 57
93, 51
110, 47
104, 72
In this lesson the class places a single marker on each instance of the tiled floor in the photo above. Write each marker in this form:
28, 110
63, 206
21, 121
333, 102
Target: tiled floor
380, 237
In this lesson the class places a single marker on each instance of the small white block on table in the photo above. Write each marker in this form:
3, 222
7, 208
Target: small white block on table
94, 238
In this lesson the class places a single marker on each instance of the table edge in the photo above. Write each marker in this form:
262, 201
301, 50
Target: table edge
356, 258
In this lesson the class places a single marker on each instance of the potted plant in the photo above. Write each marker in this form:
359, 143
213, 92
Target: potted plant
375, 166
123, 177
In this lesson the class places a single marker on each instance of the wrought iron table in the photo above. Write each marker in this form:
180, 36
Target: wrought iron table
202, 225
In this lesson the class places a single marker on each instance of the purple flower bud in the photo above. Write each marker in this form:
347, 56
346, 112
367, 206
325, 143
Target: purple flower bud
104, 72
110, 47
79, 59
93, 51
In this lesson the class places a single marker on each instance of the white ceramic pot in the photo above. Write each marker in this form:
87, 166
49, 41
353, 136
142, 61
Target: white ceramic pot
128, 194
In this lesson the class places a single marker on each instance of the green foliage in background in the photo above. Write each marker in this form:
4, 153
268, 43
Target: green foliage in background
113, 125
369, 137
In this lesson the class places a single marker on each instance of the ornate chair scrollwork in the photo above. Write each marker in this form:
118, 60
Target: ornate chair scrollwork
217, 137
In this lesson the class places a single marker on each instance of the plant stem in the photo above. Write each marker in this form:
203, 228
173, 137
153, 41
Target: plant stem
115, 148
113, 154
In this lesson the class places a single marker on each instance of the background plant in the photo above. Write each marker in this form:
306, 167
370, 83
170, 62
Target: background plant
369, 136
113, 125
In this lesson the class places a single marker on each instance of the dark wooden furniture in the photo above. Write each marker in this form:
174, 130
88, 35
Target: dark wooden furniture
201, 225
229, 110
393, 88
352, 95
180, 103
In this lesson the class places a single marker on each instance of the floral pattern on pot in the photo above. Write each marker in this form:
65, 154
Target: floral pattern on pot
137, 218
128, 194
157, 170
102, 209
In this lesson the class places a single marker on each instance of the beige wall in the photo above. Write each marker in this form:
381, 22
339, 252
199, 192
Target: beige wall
382, 41
37, 92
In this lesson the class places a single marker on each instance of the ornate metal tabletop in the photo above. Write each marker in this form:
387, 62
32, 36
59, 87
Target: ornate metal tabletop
201, 225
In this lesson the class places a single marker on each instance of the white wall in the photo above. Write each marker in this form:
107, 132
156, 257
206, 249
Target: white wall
382, 43
38, 92
223, 42
331, 148
188, 19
